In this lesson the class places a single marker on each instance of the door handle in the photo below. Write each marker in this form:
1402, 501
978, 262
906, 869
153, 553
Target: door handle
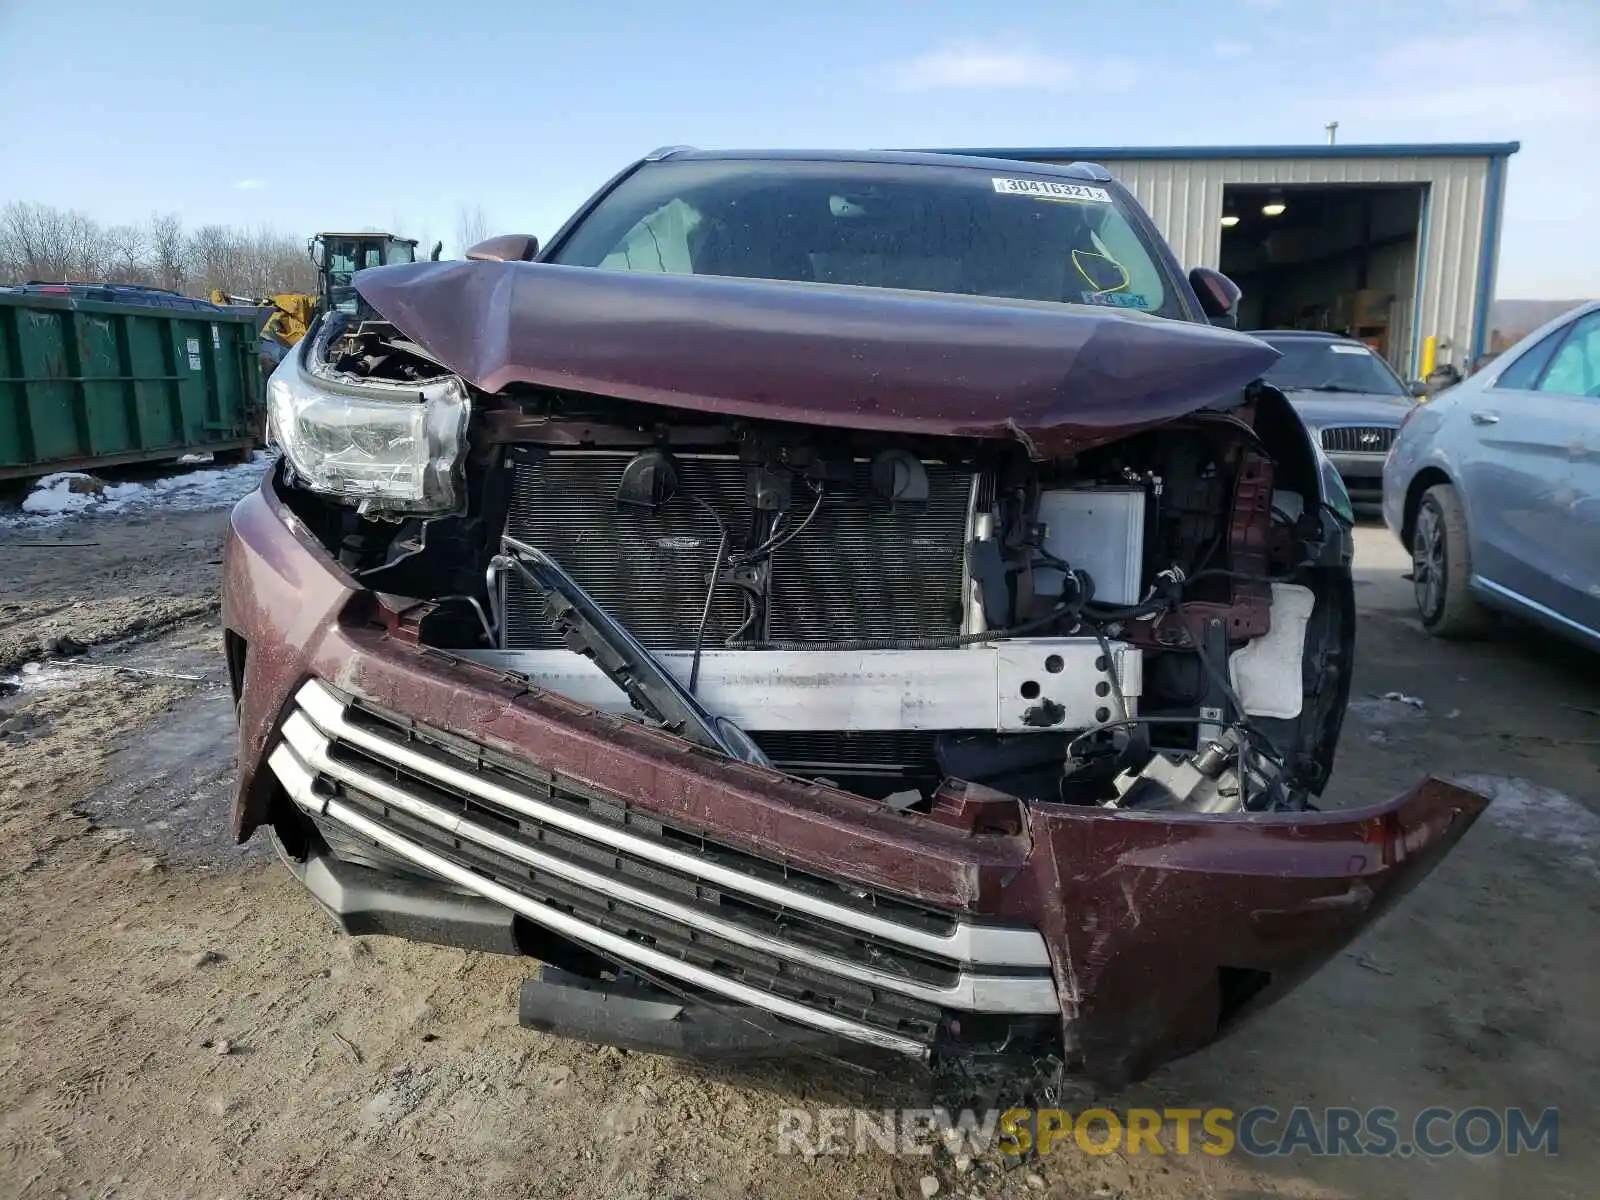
1484, 417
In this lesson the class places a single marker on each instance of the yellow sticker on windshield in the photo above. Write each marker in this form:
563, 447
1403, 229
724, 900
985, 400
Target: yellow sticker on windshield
1050, 189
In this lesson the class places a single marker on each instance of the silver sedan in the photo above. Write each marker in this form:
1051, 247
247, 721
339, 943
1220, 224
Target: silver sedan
1494, 486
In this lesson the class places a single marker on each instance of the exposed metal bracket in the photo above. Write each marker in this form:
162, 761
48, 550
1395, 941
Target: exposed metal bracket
594, 634
1022, 685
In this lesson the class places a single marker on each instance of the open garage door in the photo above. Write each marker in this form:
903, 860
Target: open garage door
1341, 258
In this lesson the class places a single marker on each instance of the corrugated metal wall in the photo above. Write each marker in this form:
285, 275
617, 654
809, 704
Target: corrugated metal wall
1184, 197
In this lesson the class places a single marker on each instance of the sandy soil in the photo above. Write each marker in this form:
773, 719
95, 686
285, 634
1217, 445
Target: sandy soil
177, 1019
105, 580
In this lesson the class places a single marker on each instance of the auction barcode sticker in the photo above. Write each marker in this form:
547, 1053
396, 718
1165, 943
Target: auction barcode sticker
1052, 190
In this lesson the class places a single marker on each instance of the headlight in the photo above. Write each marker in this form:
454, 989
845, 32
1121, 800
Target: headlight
386, 447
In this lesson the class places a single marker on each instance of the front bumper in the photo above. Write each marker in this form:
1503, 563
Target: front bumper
1128, 938
1362, 474
362, 900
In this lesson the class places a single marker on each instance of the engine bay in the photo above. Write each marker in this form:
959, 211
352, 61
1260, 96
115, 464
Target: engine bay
1153, 623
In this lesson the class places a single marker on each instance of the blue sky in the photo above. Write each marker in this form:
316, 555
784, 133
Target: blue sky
307, 117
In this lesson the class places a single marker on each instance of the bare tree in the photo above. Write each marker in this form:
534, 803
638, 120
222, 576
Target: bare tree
472, 226
214, 261
38, 241
166, 251
278, 264
16, 240
127, 255
84, 243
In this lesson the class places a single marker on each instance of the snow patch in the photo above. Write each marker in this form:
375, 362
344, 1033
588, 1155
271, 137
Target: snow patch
1382, 711
35, 678
1415, 702
72, 493
1541, 814
66, 492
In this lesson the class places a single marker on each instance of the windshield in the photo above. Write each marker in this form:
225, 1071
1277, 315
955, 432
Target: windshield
1317, 365
931, 228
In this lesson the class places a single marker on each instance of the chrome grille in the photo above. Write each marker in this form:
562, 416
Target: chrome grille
1358, 439
873, 967
859, 570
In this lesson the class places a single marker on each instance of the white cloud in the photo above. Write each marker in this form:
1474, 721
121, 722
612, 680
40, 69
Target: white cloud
989, 66
1226, 48
1519, 80
1530, 80
249, 185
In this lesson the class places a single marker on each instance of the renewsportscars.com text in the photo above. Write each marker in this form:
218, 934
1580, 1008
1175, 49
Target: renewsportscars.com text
1260, 1131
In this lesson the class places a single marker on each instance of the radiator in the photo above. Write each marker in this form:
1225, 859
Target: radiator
859, 570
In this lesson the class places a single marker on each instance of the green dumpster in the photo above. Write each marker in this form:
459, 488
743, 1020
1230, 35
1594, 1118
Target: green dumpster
94, 375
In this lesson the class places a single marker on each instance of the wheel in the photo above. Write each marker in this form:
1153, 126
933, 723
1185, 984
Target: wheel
1441, 564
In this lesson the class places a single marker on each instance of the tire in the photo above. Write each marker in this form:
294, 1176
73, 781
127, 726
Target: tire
1441, 565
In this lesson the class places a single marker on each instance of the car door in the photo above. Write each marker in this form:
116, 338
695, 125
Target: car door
1534, 476
1570, 387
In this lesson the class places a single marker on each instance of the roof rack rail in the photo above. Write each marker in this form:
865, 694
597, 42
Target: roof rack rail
1093, 169
664, 152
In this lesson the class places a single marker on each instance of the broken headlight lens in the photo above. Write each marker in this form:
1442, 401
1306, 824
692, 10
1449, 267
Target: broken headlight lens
382, 446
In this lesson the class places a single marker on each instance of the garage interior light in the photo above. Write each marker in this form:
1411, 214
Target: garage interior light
1230, 215
1274, 207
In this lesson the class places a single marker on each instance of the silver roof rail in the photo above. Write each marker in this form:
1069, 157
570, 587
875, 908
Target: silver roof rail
664, 152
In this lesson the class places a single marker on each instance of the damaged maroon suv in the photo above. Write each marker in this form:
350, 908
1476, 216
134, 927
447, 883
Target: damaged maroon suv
818, 599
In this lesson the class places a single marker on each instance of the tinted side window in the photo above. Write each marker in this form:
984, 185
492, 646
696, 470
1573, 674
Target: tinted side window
1526, 369
1575, 369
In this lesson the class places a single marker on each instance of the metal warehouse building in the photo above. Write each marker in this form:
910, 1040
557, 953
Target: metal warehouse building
1394, 244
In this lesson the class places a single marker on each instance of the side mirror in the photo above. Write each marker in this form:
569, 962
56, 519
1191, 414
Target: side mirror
1418, 388
506, 247
1219, 296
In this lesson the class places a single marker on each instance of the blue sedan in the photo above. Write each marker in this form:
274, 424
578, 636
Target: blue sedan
1494, 486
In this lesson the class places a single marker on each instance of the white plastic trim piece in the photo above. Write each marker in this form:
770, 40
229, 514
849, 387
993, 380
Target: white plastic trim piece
980, 687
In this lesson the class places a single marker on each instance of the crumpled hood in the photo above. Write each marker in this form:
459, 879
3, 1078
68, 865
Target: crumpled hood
1058, 377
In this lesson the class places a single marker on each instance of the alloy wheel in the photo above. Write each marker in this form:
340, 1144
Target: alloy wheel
1427, 562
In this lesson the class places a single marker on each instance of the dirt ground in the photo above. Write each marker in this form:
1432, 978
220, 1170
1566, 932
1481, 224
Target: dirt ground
177, 1018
